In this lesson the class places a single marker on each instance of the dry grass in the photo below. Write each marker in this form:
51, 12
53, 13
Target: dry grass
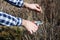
50, 30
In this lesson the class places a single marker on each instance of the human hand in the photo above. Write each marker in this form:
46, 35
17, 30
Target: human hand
30, 26
33, 7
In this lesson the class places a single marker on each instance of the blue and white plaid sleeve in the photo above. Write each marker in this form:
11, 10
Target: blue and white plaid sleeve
9, 20
18, 3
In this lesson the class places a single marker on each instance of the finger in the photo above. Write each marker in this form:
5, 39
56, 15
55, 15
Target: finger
31, 31
37, 6
38, 9
35, 29
35, 26
41, 10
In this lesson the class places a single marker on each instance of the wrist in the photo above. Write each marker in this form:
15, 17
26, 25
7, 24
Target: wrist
23, 22
26, 4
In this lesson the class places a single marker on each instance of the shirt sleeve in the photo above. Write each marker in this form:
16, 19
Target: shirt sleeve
18, 3
9, 20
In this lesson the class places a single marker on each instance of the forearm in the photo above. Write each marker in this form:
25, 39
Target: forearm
18, 3
9, 20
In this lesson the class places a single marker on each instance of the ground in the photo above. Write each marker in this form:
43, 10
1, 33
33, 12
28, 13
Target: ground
50, 30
